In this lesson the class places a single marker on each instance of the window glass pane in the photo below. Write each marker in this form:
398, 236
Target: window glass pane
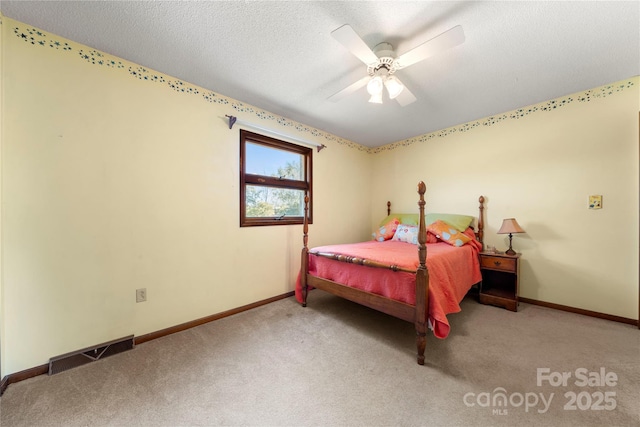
269, 202
267, 161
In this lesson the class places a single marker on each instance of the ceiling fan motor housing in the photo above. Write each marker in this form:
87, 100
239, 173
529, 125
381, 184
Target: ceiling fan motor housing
386, 59
386, 62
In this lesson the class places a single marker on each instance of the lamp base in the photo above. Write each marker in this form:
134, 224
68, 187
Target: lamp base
510, 251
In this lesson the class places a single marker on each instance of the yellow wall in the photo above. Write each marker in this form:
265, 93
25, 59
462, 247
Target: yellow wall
111, 182
539, 165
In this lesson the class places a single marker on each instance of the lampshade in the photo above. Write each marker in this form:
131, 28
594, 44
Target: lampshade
374, 87
393, 85
509, 226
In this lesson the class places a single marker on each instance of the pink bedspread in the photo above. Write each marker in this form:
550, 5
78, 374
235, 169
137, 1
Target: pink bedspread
452, 272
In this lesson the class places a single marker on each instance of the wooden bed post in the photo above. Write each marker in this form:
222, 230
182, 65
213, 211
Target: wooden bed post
304, 262
422, 281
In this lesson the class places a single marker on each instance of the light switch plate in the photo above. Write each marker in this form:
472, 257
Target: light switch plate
595, 202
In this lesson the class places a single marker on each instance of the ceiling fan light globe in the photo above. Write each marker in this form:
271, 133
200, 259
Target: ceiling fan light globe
374, 87
376, 98
394, 87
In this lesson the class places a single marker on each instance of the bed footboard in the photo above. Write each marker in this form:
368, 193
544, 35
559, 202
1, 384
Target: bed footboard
413, 313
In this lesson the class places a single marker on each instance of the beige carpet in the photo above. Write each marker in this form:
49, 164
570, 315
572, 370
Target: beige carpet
335, 363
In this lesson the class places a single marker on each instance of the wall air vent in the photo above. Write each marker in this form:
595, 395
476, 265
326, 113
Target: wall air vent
81, 357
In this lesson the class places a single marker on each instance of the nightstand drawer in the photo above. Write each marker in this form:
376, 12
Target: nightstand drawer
498, 263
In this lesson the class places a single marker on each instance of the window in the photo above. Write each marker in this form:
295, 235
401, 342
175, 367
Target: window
274, 178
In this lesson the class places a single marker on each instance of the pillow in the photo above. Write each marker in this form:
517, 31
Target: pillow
386, 231
406, 233
461, 222
404, 218
409, 234
448, 234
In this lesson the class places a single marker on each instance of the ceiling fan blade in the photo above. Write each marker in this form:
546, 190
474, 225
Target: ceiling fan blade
444, 41
347, 37
350, 89
405, 98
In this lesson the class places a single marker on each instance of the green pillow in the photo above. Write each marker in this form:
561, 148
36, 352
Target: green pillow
404, 218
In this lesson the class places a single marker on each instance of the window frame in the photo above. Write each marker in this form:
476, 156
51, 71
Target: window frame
273, 182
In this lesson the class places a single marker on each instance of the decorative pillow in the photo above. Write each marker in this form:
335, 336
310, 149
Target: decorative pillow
409, 234
448, 234
460, 222
386, 231
406, 233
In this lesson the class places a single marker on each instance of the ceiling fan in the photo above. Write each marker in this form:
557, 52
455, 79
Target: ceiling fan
382, 63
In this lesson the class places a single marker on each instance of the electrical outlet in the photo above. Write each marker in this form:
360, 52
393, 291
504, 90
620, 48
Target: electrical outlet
141, 295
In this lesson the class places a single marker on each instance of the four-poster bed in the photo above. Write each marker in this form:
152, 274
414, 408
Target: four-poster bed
391, 282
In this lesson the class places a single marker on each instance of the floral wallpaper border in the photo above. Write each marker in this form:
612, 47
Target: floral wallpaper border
36, 37
553, 105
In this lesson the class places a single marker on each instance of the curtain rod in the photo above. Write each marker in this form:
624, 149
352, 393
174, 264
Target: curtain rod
233, 120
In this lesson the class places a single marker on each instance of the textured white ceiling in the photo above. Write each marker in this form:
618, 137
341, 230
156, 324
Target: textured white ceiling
279, 55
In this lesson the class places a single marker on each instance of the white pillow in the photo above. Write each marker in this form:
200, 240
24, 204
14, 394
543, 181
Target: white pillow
406, 233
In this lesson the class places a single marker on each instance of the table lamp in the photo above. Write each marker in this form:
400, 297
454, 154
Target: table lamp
510, 226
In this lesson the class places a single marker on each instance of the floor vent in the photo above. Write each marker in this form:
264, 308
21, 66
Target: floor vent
81, 357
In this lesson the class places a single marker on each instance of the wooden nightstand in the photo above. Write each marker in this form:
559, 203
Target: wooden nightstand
500, 279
